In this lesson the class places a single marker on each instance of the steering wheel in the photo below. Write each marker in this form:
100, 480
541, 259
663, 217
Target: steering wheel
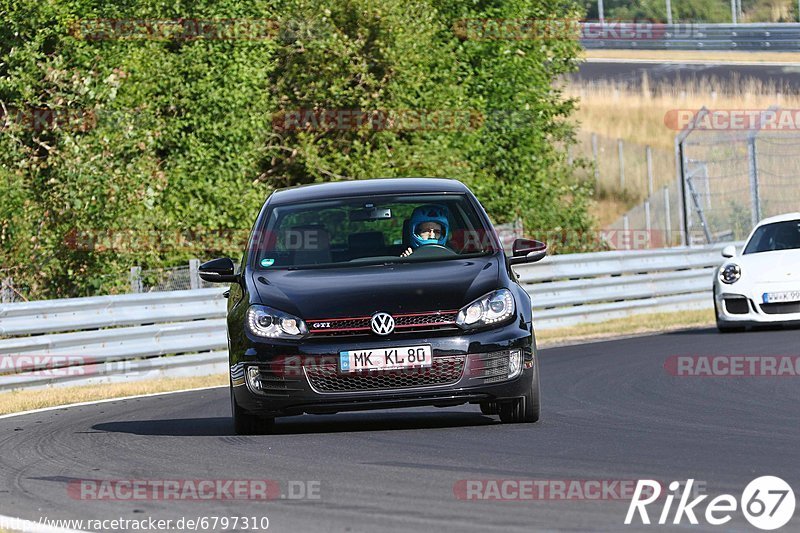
432, 250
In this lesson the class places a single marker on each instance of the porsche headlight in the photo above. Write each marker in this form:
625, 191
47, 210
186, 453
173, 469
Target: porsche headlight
730, 273
264, 321
492, 308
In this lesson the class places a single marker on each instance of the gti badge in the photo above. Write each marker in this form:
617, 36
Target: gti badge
382, 323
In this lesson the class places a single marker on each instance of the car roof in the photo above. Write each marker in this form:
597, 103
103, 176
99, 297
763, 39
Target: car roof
780, 218
366, 187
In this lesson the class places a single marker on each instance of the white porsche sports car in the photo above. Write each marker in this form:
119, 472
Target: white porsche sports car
762, 285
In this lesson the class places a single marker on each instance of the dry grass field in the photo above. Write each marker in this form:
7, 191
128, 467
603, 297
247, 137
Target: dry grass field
637, 116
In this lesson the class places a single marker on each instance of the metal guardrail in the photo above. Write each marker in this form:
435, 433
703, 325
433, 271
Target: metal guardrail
112, 338
577, 288
126, 338
784, 36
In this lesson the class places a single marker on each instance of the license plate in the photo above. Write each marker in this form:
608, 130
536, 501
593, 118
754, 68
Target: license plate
776, 297
385, 358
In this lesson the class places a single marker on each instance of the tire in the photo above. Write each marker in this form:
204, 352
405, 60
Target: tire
528, 408
246, 424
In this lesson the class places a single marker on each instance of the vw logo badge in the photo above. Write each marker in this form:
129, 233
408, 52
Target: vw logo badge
382, 323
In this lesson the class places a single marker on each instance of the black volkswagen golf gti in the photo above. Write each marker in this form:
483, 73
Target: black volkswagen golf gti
376, 294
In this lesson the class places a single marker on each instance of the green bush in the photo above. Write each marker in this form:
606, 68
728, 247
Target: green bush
122, 152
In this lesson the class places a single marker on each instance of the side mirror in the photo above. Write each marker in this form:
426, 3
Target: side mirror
729, 251
527, 251
218, 271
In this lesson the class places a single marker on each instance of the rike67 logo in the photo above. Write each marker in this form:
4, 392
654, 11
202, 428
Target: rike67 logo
767, 503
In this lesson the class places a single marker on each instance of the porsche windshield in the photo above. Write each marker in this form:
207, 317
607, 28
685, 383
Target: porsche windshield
777, 236
380, 229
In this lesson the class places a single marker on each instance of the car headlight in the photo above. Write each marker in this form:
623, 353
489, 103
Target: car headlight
730, 273
264, 321
492, 308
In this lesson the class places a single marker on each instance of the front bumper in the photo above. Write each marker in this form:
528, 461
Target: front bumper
303, 378
748, 308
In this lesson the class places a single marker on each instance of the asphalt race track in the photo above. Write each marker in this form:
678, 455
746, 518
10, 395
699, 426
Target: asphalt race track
720, 76
611, 412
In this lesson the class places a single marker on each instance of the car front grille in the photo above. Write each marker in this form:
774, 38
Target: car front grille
781, 308
404, 323
443, 371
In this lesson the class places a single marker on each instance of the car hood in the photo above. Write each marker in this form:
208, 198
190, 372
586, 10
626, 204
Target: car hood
354, 291
779, 265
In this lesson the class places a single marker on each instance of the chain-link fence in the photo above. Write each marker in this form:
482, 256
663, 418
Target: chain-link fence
168, 279
654, 223
735, 177
625, 168
633, 172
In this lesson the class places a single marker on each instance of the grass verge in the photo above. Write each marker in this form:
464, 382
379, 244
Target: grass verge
25, 400
696, 55
633, 325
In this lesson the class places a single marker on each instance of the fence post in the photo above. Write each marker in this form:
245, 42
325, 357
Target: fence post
667, 218
621, 165
626, 229
6, 291
648, 153
755, 213
194, 273
596, 164
136, 279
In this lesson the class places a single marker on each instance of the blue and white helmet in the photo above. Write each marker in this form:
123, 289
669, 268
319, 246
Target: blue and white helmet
429, 213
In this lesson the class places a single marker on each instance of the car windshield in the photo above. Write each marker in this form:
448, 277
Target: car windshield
777, 236
351, 231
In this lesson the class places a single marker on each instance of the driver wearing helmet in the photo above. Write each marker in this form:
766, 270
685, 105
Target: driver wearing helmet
428, 225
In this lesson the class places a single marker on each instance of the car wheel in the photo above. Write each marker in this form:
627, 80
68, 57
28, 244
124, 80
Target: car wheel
246, 424
526, 409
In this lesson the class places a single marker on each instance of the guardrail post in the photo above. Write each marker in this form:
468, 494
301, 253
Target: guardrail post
194, 273
755, 212
6, 291
667, 218
626, 229
136, 279
597, 163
